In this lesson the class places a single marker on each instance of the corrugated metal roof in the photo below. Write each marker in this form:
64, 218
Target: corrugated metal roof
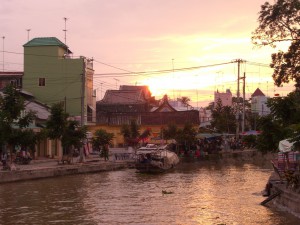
41, 111
45, 41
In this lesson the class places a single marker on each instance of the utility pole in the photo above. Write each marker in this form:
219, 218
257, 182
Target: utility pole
173, 78
244, 93
3, 51
81, 159
116, 82
101, 90
239, 61
82, 93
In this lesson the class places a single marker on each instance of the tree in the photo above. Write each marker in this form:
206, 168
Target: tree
282, 123
271, 134
286, 112
170, 132
73, 135
56, 123
223, 118
281, 22
131, 133
12, 121
145, 135
186, 136
60, 127
101, 138
185, 101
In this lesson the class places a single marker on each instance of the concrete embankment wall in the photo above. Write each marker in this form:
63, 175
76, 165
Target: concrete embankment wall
288, 200
11, 176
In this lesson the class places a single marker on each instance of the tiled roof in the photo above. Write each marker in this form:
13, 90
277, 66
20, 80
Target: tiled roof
45, 41
165, 106
122, 97
143, 88
257, 92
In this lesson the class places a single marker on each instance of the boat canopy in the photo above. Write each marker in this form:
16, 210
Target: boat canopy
285, 146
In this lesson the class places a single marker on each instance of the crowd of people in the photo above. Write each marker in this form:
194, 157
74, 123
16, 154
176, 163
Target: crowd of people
214, 145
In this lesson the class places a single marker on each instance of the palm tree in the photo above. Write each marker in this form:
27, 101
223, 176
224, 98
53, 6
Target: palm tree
185, 101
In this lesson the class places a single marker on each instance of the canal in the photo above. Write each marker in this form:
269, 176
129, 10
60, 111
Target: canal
205, 192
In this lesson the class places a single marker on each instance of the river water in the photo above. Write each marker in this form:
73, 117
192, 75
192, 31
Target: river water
205, 192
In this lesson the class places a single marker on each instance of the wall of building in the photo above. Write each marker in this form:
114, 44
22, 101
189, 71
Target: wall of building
226, 98
63, 77
259, 105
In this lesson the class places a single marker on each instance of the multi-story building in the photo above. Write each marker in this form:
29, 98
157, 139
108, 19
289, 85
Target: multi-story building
52, 75
259, 103
226, 98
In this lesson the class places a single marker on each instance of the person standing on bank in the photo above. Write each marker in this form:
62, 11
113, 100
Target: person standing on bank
4, 159
106, 152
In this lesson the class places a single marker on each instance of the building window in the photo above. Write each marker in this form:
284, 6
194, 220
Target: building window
42, 82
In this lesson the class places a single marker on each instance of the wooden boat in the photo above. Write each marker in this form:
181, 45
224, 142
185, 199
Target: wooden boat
154, 159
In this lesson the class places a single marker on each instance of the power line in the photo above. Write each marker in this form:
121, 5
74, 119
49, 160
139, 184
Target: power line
160, 71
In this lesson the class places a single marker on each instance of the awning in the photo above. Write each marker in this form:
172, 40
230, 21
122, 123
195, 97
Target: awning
91, 108
251, 132
208, 135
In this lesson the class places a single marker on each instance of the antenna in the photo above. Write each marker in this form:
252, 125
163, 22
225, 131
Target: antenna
116, 82
65, 30
28, 30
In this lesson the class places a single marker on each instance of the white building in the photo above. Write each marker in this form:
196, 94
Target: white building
205, 117
259, 103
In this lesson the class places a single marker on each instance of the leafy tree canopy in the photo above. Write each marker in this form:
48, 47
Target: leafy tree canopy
57, 121
12, 120
131, 132
281, 22
101, 138
223, 118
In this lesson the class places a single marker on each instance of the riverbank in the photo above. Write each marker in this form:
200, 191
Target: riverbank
45, 168
283, 196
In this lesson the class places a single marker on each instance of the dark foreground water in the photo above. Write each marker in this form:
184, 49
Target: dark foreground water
203, 193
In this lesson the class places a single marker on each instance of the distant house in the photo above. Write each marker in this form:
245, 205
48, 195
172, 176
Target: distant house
226, 98
155, 119
259, 103
14, 78
42, 112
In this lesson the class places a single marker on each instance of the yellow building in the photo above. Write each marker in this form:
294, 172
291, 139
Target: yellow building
117, 109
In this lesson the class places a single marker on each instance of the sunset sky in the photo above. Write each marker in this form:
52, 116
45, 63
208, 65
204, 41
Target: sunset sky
126, 37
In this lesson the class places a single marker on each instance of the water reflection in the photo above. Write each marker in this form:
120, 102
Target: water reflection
203, 193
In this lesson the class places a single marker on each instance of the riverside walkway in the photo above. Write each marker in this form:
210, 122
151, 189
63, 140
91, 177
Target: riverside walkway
44, 168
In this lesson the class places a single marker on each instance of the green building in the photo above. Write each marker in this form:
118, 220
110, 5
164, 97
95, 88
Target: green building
52, 75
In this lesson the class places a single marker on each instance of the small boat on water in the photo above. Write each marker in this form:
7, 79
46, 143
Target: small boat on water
155, 159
